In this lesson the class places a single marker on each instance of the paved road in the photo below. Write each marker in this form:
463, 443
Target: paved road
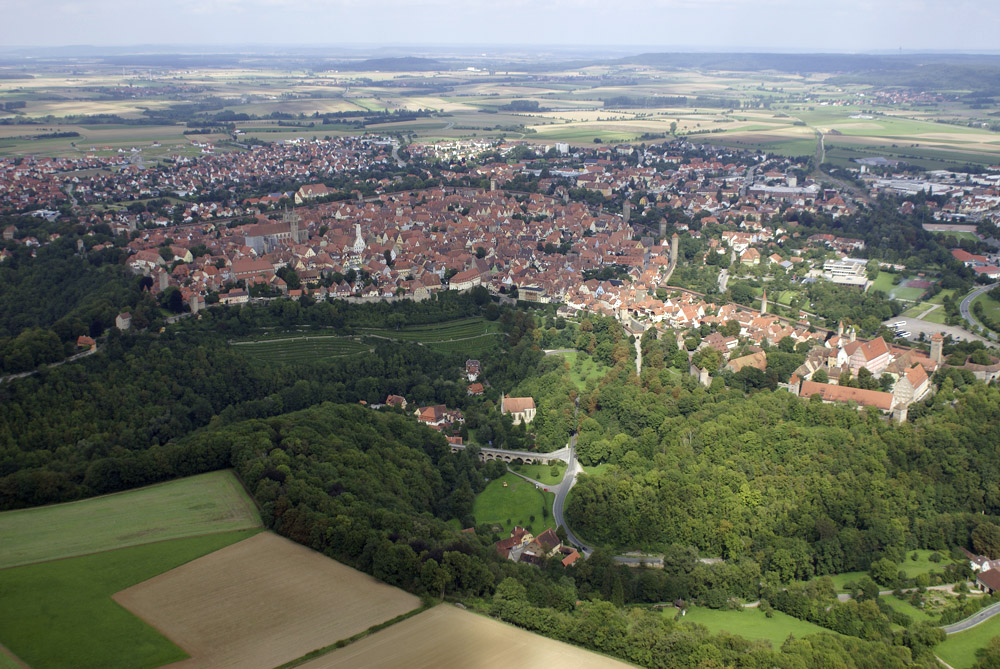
395, 156
21, 375
972, 621
965, 308
573, 470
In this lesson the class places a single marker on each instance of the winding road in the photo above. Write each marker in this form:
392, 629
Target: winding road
965, 308
573, 469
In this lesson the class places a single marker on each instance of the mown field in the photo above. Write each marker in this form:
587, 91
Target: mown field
60, 613
514, 505
751, 623
301, 349
446, 636
262, 602
203, 504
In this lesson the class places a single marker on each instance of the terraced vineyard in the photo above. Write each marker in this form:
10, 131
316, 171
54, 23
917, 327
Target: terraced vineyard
471, 336
301, 348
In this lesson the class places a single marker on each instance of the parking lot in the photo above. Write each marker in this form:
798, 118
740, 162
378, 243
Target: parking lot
915, 326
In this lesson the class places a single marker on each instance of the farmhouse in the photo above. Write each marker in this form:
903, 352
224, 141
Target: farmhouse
396, 401
438, 416
521, 409
989, 581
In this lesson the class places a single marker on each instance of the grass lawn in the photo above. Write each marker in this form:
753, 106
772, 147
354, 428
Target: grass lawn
918, 615
990, 306
596, 470
786, 296
541, 473
840, 580
203, 504
940, 297
517, 502
60, 613
588, 369
7, 662
959, 650
752, 624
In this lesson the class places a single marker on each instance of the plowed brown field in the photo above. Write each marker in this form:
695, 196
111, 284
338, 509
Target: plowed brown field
262, 602
446, 636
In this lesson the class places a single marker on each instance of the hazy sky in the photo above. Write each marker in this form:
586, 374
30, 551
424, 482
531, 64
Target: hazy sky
805, 25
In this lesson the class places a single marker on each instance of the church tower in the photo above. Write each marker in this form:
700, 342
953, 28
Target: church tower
763, 304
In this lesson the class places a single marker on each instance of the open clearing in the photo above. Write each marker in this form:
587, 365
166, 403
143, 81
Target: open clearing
203, 504
262, 602
751, 624
60, 613
446, 636
518, 502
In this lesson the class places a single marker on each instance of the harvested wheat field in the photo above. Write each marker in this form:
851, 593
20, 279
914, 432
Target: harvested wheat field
446, 636
260, 603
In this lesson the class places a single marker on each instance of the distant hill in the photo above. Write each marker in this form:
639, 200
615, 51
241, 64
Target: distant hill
403, 64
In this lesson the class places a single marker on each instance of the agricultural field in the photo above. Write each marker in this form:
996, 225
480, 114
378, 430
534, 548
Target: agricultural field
262, 602
61, 613
782, 113
959, 650
514, 504
446, 636
751, 623
204, 504
300, 349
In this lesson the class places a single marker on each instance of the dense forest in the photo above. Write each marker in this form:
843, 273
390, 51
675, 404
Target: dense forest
103, 423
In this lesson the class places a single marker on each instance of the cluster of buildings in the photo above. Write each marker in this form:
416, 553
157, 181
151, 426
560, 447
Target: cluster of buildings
522, 546
34, 181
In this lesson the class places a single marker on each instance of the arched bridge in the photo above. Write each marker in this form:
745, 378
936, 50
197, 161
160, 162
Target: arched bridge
527, 457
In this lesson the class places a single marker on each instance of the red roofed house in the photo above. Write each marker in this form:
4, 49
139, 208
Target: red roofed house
438, 415
911, 386
872, 355
521, 409
396, 401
